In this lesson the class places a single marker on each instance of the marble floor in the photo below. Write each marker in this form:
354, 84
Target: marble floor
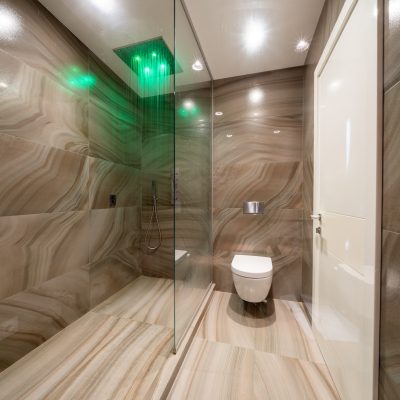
119, 350
243, 351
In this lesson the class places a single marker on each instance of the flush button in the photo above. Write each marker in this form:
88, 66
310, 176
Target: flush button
253, 207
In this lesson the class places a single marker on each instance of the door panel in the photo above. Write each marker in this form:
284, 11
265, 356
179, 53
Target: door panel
346, 164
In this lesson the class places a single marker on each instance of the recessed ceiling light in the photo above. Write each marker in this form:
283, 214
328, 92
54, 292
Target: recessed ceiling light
188, 104
256, 95
254, 35
3, 85
277, 131
219, 113
197, 66
10, 24
229, 135
302, 45
256, 114
104, 5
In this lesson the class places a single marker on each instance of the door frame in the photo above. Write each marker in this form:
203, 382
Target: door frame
334, 37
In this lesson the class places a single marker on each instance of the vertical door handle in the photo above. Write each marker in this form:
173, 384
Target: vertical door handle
316, 216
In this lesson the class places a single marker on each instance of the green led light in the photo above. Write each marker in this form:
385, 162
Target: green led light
137, 58
147, 70
77, 79
154, 54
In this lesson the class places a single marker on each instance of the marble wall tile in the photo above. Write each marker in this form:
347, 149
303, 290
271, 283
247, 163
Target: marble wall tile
254, 140
58, 257
30, 317
192, 228
391, 43
44, 43
252, 125
110, 274
112, 230
391, 171
390, 324
115, 120
36, 248
160, 263
163, 177
251, 162
389, 377
279, 185
281, 84
40, 179
107, 178
37, 108
276, 231
327, 20
158, 152
109, 135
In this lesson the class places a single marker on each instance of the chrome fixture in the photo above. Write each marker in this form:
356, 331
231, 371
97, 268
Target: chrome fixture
253, 207
153, 221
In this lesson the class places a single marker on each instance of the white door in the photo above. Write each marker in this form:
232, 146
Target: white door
345, 196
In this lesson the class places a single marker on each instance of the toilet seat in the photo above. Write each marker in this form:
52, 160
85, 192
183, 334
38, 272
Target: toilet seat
255, 267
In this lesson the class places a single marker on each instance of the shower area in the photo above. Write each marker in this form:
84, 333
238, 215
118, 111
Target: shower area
106, 132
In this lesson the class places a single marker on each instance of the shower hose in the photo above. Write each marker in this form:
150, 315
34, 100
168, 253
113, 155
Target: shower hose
153, 221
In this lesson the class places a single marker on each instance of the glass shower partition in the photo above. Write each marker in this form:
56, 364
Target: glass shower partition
193, 169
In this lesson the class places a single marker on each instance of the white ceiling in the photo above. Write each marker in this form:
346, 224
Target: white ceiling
221, 26
103, 25
123, 22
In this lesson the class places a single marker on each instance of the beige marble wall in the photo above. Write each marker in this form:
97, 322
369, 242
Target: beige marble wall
158, 166
63, 150
389, 387
326, 22
251, 162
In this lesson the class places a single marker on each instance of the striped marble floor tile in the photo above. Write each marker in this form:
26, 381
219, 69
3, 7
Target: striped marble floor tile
146, 299
277, 326
98, 357
221, 371
151, 300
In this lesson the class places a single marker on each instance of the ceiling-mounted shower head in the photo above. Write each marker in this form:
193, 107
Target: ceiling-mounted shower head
152, 57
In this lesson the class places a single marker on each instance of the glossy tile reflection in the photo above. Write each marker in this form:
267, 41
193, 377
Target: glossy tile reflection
112, 352
70, 136
257, 155
247, 351
389, 373
276, 326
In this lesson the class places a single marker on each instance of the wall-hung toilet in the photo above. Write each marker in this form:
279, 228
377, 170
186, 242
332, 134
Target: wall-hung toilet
252, 276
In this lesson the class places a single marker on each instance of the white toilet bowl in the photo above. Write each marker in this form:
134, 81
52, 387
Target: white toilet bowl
252, 276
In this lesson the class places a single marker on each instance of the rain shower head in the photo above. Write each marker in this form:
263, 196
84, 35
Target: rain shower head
150, 57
